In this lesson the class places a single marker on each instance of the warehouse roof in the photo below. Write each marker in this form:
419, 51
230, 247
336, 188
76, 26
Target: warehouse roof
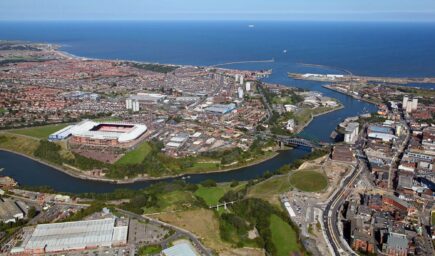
75, 235
181, 249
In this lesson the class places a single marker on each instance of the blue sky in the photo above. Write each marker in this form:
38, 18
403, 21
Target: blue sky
359, 10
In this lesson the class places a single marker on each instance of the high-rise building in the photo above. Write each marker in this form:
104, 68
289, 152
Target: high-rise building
241, 79
240, 92
248, 86
237, 77
129, 103
135, 106
414, 104
405, 102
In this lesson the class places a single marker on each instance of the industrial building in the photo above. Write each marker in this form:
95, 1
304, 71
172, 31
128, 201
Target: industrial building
351, 133
78, 235
10, 211
221, 109
61, 134
148, 98
183, 248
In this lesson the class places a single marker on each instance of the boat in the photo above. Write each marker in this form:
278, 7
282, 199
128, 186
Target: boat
285, 51
251, 26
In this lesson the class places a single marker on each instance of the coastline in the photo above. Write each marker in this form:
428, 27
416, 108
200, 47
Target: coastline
83, 176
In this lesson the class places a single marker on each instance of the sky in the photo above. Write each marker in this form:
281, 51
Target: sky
314, 10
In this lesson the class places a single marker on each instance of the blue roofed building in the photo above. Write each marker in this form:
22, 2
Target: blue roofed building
183, 248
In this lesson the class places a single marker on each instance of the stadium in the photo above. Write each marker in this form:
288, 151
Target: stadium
105, 134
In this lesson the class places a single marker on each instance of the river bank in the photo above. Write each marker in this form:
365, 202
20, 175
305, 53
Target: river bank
300, 129
73, 172
350, 95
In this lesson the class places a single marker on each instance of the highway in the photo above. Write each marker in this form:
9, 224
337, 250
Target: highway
330, 214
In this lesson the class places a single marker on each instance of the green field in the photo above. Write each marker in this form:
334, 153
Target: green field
283, 236
40, 132
272, 186
203, 167
173, 201
433, 218
136, 156
20, 144
149, 250
309, 181
211, 195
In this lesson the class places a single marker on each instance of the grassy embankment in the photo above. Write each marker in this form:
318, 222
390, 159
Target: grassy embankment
39, 132
137, 155
284, 237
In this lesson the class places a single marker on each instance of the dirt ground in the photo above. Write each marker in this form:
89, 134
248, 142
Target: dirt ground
204, 224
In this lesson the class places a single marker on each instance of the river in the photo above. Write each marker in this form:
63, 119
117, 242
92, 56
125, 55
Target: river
364, 49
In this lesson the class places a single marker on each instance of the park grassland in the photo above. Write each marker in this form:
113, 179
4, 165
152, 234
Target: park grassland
137, 155
39, 132
211, 195
269, 189
19, 144
284, 237
309, 180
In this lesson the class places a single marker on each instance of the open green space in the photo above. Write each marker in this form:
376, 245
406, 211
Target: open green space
309, 180
137, 155
40, 132
211, 195
20, 144
203, 167
284, 236
272, 186
149, 250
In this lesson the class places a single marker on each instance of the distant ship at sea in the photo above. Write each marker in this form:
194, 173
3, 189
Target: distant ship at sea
285, 51
251, 26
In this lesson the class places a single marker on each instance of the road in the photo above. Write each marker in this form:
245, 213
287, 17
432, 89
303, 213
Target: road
397, 155
330, 214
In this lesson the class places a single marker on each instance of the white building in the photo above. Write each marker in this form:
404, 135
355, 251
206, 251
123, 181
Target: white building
128, 103
135, 106
78, 235
409, 105
405, 102
248, 86
237, 78
242, 79
414, 104
183, 248
240, 92
351, 133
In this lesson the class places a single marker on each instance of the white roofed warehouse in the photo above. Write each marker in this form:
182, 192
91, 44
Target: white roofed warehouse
78, 235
